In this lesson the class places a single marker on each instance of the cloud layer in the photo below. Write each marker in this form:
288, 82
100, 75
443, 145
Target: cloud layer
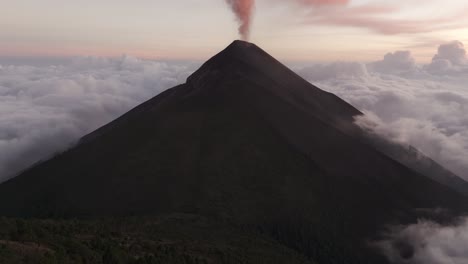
427, 242
44, 109
424, 106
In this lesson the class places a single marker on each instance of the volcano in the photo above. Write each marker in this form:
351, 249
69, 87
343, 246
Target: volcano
244, 141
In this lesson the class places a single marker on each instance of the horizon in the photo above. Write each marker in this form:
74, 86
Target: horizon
6, 60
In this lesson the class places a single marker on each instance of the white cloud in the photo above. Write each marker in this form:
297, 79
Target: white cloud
44, 109
449, 60
454, 52
427, 242
320, 72
399, 62
407, 103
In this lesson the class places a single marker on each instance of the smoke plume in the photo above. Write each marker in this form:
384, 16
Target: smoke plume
243, 10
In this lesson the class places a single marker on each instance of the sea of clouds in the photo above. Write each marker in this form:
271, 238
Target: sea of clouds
422, 105
46, 107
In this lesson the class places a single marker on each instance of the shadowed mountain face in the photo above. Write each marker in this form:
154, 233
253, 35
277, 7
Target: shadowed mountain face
244, 141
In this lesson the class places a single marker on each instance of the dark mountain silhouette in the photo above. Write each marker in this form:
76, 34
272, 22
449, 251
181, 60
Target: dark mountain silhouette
247, 142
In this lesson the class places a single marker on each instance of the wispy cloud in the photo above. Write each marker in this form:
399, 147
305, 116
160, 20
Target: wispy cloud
381, 19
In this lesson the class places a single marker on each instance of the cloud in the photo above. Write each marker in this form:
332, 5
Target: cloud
445, 144
315, 3
427, 242
405, 103
450, 59
44, 109
378, 19
454, 52
320, 72
397, 63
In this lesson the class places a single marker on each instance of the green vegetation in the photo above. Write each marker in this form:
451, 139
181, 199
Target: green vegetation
171, 239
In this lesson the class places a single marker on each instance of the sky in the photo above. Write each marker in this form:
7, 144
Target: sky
356, 30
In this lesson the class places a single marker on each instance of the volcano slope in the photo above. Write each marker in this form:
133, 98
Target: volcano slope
247, 142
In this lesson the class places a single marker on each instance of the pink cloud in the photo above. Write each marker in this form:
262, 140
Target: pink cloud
373, 17
376, 18
323, 2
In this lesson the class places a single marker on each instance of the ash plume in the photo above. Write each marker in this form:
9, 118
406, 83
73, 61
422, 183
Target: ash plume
243, 10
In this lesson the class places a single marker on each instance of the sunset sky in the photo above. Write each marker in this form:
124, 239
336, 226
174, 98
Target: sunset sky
362, 30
